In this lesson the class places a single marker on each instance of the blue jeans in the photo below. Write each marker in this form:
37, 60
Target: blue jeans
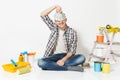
49, 63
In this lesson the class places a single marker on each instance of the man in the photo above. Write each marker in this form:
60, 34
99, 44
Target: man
62, 44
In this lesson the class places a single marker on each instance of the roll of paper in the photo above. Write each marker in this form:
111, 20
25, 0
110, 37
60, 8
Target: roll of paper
23, 70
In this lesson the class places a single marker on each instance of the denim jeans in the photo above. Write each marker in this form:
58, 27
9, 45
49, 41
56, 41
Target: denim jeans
49, 63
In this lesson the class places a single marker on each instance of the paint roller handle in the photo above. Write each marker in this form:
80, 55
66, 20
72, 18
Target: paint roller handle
14, 63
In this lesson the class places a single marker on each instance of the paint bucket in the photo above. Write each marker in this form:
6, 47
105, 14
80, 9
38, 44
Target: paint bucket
97, 66
100, 38
31, 57
106, 67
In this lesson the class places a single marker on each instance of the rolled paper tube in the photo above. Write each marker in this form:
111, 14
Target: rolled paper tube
23, 70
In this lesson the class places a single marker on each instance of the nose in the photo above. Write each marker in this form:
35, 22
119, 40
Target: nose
61, 22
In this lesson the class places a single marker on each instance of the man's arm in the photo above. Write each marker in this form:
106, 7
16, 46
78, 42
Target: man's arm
47, 11
50, 9
73, 47
72, 51
44, 15
68, 55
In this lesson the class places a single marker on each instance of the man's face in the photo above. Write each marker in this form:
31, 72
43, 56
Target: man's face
61, 24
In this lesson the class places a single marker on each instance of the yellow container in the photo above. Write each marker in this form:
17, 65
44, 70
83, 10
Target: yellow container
106, 67
20, 58
11, 68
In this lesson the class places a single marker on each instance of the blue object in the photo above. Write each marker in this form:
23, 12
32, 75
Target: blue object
48, 64
97, 66
14, 63
25, 52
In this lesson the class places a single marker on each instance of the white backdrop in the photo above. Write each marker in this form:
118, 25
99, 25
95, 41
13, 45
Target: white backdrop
21, 28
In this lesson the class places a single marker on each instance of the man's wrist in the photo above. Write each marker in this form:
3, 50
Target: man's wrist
64, 59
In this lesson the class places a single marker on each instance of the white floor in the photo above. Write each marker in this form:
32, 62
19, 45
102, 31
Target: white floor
37, 74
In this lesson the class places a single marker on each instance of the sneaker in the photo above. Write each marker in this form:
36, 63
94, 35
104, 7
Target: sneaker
76, 68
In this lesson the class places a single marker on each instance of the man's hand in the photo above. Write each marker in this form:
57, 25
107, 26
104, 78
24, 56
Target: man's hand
58, 9
60, 62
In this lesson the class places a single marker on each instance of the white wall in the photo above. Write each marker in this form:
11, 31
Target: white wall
21, 28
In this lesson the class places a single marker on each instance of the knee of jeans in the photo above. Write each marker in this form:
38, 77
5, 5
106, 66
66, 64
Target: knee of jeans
81, 58
41, 63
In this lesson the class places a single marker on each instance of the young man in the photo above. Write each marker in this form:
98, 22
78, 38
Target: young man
62, 44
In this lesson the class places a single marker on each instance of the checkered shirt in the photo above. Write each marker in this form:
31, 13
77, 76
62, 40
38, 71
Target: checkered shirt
70, 38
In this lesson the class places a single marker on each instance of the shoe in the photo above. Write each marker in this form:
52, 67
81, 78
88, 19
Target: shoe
76, 68
86, 65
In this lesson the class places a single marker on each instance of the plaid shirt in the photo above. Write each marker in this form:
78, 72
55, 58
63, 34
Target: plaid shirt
70, 38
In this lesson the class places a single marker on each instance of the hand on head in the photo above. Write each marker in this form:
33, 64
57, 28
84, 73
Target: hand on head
58, 9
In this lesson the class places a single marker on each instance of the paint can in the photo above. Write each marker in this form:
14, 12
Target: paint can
25, 56
20, 58
23, 70
106, 67
31, 57
97, 66
100, 38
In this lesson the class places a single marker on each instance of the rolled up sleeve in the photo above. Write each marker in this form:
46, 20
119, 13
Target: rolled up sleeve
48, 22
74, 43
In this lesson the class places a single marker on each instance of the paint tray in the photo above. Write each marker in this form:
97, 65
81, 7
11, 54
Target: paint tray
11, 68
